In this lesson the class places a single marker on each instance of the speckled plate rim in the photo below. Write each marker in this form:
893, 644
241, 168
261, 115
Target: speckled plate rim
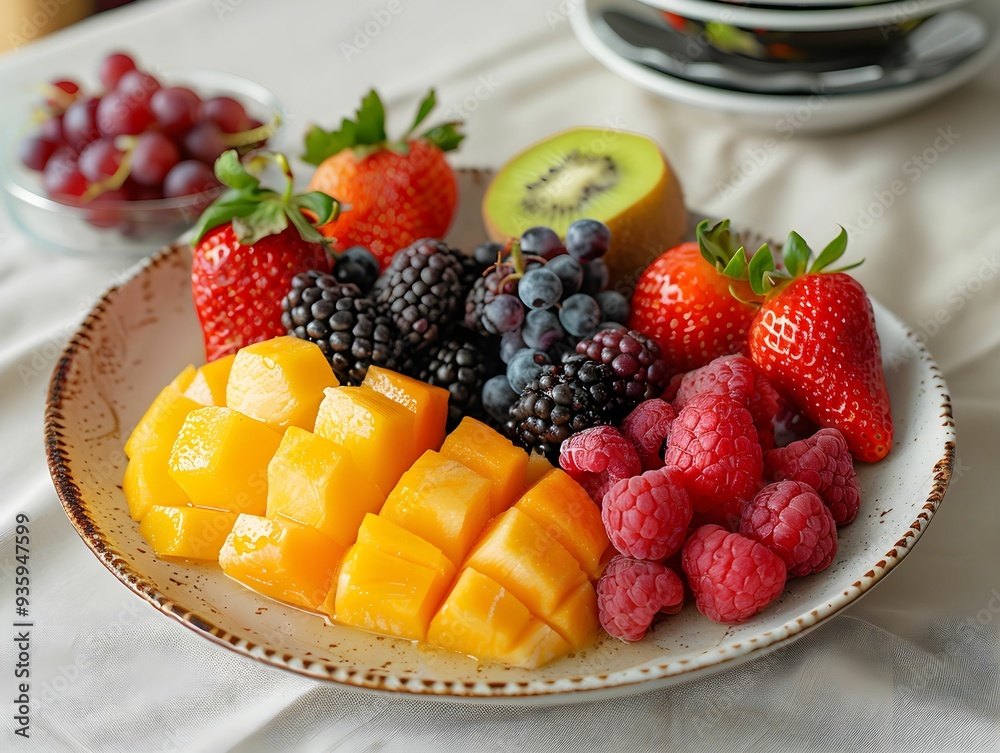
560, 690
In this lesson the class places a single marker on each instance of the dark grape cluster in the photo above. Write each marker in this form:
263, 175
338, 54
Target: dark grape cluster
540, 298
135, 140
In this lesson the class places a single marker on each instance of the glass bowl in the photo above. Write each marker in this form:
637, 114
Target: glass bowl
119, 228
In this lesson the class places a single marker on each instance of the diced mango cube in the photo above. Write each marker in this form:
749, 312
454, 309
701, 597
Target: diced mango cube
183, 380
146, 483
564, 509
393, 539
315, 482
189, 532
220, 460
494, 457
481, 618
428, 404
538, 466
161, 422
280, 382
576, 618
441, 501
518, 554
281, 559
209, 384
385, 594
377, 432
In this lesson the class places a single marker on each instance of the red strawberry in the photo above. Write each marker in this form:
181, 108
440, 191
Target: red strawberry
815, 339
245, 255
683, 301
394, 192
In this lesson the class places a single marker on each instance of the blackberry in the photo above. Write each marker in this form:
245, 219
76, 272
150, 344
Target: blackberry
420, 291
344, 324
484, 290
460, 366
565, 399
637, 361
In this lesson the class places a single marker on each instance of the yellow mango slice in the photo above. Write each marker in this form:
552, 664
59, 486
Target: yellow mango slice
385, 594
481, 618
393, 539
161, 422
220, 460
147, 483
576, 618
279, 382
281, 559
315, 482
518, 554
188, 532
428, 404
184, 379
567, 513
494, 457
441, 501
377, 432
209, 384
538, 466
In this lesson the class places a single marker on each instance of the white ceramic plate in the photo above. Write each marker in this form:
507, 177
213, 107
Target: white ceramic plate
144, 331
786, 114
799, 19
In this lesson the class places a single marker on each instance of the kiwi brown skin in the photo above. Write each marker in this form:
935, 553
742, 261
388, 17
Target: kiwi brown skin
639, 234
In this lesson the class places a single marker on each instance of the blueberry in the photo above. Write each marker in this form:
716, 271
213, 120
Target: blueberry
510, 344
503, 314
540, 288
587, 240
498, 397
524, 367
580, 315
614, 305
542, 241
486, 254
542, 329
357, 265
569, 271
595, 276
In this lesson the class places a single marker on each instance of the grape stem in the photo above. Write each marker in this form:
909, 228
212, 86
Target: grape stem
260, 133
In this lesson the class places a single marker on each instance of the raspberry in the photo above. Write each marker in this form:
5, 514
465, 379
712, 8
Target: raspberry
790, 519
647, 428
738, 377
825, 463
631, 593
714, 444
598, 458
647, 516
640, 371
732, 577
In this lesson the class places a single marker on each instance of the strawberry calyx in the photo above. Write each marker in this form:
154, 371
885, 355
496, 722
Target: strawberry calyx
366, 134
718, 248
797, 260
257, 212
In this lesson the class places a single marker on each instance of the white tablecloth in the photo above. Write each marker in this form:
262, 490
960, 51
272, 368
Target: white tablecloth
914, 666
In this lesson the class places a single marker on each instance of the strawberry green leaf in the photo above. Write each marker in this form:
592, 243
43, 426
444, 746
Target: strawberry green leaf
422, 112
322, 144
371, 120
267, 218
445, 137
324, 208
736, 269
796, 255
760, 270
306, 229
230, 205
833, 251
230, 171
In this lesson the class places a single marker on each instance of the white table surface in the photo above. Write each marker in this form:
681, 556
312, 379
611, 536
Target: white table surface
912, 667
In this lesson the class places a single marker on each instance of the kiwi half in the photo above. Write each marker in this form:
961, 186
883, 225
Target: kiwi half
617, 177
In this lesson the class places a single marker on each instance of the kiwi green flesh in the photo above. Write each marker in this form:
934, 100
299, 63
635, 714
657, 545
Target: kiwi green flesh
585, 172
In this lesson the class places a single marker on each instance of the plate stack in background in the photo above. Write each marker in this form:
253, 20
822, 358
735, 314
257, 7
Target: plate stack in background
819, 65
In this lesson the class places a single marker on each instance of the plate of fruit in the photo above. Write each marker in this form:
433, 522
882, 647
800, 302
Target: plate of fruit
519, 435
